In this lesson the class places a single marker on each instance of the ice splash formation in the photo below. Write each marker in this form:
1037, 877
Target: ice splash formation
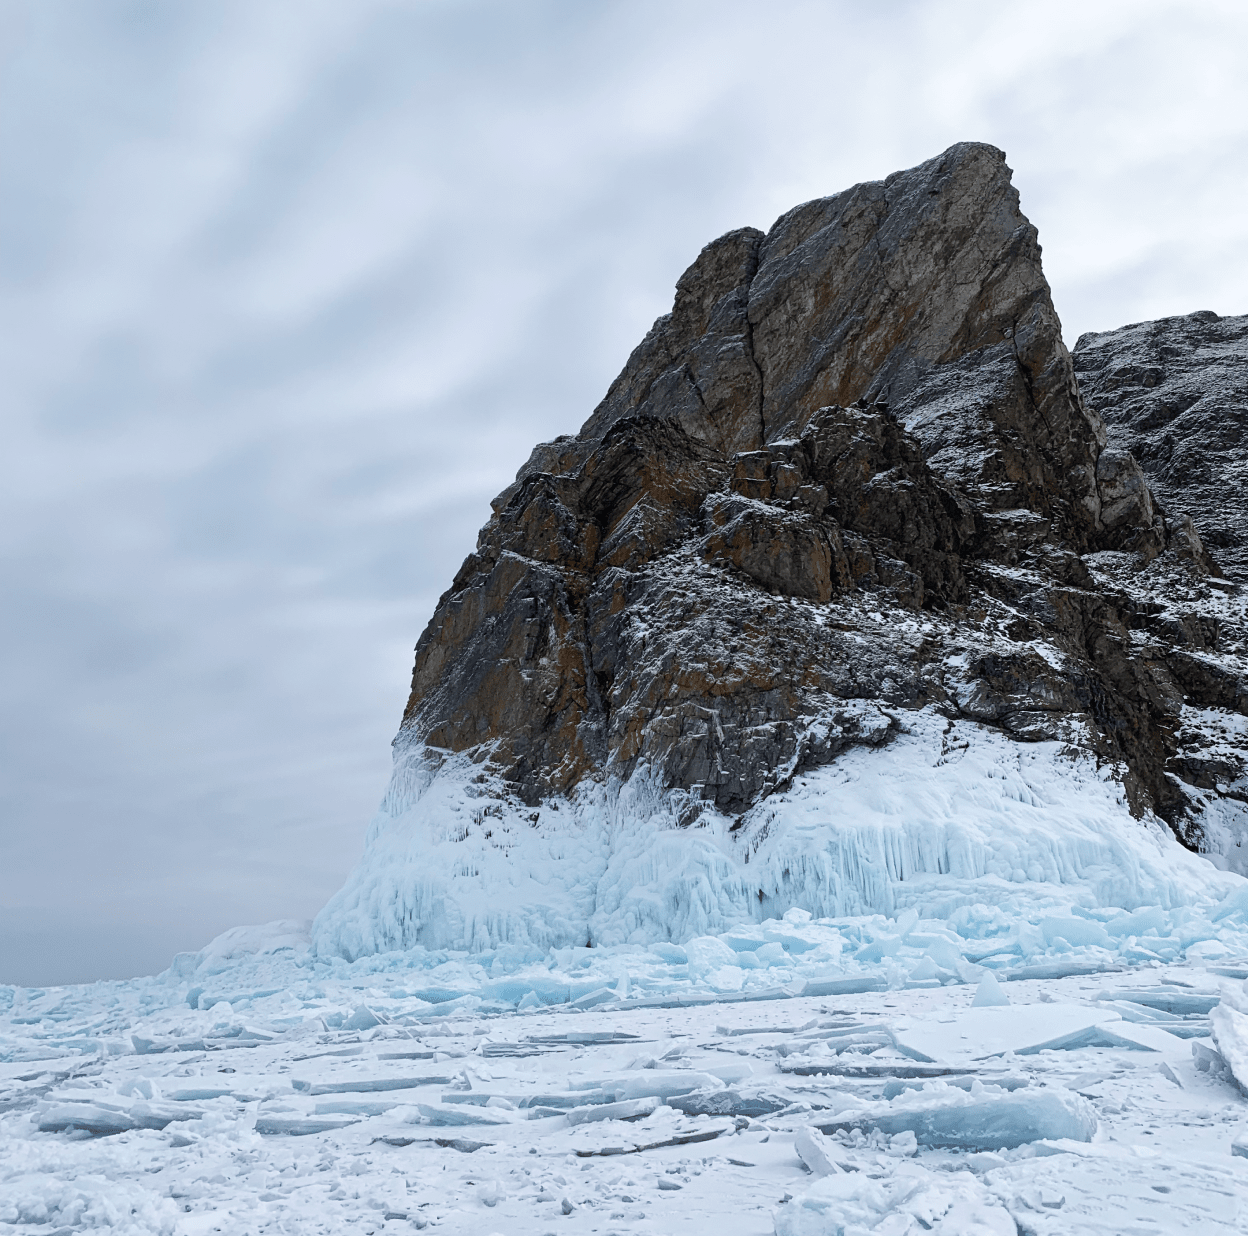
949, 821
843, 600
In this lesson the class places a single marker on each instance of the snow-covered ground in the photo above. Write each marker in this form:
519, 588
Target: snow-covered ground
948, 986
799, 1076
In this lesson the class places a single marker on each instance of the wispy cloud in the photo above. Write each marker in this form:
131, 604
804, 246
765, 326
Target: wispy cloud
291, 289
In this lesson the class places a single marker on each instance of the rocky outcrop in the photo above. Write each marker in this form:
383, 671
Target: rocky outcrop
923, 291
849, 476
1174, 394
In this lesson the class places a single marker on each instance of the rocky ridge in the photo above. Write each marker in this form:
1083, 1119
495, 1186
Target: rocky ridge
1175, 394
866, 413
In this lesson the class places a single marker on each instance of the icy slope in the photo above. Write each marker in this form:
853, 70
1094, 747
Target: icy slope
946, 818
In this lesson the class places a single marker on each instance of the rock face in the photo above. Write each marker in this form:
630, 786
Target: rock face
924, 291
1174, 394
845, 600
866, 413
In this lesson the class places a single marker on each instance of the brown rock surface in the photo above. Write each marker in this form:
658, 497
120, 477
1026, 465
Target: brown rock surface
849, 475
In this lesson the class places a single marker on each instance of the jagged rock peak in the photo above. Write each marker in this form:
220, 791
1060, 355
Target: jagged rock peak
848, 477
924, 290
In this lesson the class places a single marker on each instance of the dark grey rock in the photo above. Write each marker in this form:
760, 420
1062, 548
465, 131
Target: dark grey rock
1174, 393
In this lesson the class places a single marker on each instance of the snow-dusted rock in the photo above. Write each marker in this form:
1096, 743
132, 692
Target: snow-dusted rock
839, 588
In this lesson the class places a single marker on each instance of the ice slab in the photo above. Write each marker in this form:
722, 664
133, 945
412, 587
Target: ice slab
192, 1094
844, 986
980, 1033
486, 1098
368, 1085
353, 1107
1139, 1036
150, 1047
944, 1116
457, 1114
1166, 999
863, 1067
301, 1126
628, 1109
584, 1038
1060, 970
1231, 969
730, 1073
678, 1139
1230, 1037
103, 1118
664, 1085
572, 1098
1146, 1016
726, 1103
91, 1117
817, 1152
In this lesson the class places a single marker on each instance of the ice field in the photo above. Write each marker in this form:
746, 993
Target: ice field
322, 1098
951, 987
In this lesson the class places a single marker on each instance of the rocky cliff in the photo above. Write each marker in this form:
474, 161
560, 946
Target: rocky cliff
849, 487
1175, 394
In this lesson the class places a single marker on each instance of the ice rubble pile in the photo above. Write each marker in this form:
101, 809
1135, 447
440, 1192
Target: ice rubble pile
281, 989
32, 1193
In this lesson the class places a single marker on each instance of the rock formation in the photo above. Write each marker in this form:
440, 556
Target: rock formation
1175, 394
850, 480
871, 405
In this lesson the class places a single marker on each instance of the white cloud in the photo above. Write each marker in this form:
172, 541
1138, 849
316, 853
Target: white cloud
291, 289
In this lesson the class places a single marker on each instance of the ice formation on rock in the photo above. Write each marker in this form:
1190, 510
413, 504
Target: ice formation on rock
843, 599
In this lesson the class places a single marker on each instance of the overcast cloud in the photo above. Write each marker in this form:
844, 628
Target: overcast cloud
290, 289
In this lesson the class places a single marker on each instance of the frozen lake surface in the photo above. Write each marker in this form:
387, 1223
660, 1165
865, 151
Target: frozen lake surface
1008, 1007
797, 1076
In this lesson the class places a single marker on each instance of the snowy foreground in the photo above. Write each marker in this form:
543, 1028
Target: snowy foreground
947, 986
763, 1080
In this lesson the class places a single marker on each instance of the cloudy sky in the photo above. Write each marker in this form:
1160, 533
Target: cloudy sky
290, 288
